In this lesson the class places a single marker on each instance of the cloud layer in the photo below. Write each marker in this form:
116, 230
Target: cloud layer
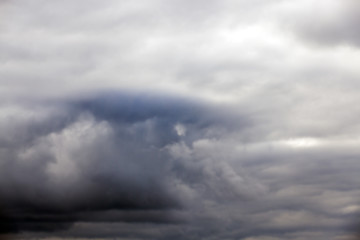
179, 166
101, 154
179, 120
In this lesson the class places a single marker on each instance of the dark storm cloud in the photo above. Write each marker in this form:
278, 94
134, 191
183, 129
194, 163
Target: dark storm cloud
278, 161
95, 154
160, 167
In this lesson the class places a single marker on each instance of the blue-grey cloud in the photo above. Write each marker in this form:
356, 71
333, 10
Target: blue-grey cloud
97, 154
180, 167
261, 145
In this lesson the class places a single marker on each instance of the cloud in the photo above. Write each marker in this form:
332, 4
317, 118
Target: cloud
98, 154
116, 164
222, 122
325, 23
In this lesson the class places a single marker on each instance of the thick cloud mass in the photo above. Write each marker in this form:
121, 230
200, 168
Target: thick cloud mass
154, 119
107, 153
180, 166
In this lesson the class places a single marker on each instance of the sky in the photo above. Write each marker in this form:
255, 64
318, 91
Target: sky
184, 120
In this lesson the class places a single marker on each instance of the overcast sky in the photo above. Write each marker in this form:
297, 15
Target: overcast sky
154, 119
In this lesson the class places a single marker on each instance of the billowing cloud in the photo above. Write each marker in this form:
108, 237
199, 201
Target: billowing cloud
101, 154
179, 120
180, 166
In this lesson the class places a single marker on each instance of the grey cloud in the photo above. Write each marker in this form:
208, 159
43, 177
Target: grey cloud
96, 154
326, 22
147, 164
114, 164
123, 45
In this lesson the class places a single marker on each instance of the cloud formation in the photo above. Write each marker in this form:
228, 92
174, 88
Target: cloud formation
326, 22
179, 120
176, 165
100, 154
